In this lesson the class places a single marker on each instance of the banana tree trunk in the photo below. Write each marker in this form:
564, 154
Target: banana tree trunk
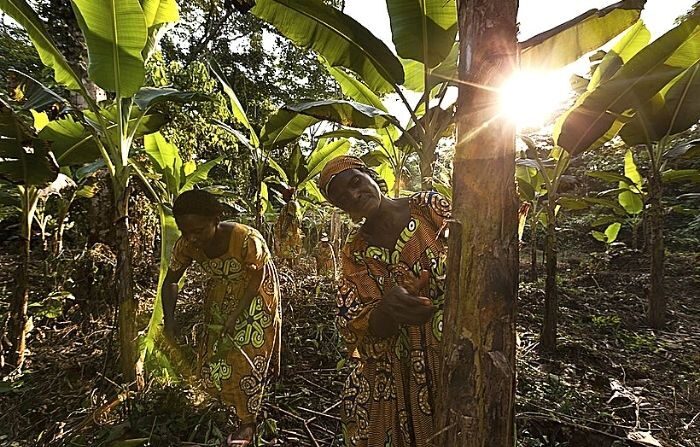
657, 296
427, 159
19, 319
477, 390
126, 301
548, 337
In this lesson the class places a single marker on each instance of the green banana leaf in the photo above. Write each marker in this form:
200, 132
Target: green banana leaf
446, 71
24, 15
355, 89
345, 113
148, 97
36, 95
24, 159
636, 38
600, 113
160, 16
340, 39
71, 142
423, 30
569, 41
675, 109
318, 159
115, 32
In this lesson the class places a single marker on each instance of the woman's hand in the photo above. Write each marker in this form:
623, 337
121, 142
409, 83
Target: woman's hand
404, 305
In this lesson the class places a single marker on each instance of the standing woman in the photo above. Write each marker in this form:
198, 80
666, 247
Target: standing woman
241, 307
390, 306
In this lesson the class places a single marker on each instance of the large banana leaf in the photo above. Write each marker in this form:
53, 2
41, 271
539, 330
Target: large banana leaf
340, 39
598, 114
289, 122
322, 155
636, 38
445, 72
567, 42
160, 16
166, 160
71, 142
148, 97
676, 108
36, 95
355, 89
346, 113
284, 126
200, 174
352, 133
23, 14
423, 30
24, 160
115, 32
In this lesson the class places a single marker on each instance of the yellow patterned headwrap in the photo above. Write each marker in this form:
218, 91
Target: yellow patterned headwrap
342, 164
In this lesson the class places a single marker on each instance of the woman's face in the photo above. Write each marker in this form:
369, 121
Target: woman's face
196, 229
355, 192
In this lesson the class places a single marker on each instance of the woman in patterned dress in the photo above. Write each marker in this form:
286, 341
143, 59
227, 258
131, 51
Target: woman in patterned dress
390, 306
241, 308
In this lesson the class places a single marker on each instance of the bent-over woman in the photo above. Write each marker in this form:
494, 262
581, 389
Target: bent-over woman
241, 306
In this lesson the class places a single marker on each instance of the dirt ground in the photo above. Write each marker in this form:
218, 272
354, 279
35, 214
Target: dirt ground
612, 378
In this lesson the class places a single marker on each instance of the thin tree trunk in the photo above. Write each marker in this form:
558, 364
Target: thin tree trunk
657, 296
548, 337
427, 159
477, 391
533, 245
19, 318
126, 301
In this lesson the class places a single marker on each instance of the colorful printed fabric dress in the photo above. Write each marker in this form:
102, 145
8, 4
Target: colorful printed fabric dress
388, 399
234, 369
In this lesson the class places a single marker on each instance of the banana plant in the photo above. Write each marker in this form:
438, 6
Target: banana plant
542, 178
25, 161
648, 100
424, 35
287, 125
628, 207
121, 35
165, 177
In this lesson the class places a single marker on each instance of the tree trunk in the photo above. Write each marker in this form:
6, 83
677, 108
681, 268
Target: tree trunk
657, 296
548, 337
533, 245
126, 301
19, 320
476, 396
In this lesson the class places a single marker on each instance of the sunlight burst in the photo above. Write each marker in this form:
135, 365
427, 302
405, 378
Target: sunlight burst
529, 98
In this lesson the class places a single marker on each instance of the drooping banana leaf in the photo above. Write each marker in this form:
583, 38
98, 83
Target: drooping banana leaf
22, 13
567, 42
340, 39
345, 113
599, 114
148, 97
24, 160
676, 108
355, 89
115, 32
36, 95
423, 30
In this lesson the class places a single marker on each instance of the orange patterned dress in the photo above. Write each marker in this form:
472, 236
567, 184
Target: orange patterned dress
388, 399
234, 368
